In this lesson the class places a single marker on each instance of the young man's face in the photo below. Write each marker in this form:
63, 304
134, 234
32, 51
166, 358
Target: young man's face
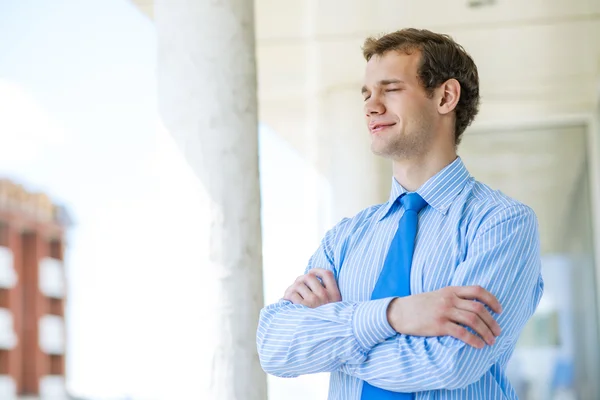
400, 116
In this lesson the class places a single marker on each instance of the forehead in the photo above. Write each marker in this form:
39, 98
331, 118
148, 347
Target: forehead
393, 64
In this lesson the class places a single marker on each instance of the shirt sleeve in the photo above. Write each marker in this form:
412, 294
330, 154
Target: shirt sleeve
504, 258
294, 340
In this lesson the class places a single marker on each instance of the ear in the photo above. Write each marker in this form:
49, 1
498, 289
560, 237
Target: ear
448, 96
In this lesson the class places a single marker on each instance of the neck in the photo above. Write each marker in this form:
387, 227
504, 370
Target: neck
413, 172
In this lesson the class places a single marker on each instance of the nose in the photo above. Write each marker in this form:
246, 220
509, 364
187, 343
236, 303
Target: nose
374, 106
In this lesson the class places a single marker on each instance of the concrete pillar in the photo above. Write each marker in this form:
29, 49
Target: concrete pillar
207, 101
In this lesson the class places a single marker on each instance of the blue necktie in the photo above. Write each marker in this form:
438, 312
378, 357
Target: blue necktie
394, 279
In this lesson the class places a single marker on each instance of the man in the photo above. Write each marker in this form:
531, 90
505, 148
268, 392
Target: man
422, 297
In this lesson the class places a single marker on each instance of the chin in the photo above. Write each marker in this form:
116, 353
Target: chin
380, 150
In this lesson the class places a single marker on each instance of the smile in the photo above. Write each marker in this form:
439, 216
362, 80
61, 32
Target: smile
376, 128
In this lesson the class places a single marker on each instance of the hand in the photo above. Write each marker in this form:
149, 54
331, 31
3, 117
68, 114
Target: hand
310, 292
444, 311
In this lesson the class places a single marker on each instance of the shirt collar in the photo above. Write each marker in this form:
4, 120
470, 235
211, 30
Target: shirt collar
439, 191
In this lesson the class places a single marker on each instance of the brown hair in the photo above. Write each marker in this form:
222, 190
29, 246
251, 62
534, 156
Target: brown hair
441, 59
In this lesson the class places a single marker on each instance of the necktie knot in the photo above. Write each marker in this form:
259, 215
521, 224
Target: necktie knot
413, 202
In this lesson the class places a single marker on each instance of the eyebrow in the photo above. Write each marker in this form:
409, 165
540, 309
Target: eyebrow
383, 82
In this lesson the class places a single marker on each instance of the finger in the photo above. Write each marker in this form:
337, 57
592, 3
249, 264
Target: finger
328, 280
464, 335
325, 275
484, 314
334, 293
296, 298
315, 286
288, 293
479, 293
474, 322
304, 291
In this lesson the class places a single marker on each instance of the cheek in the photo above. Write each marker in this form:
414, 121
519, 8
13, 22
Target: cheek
417, 112
402, 108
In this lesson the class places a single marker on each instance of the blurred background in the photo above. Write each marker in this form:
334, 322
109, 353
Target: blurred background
105, 290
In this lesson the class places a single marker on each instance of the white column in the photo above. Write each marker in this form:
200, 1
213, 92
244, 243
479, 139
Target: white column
207, 101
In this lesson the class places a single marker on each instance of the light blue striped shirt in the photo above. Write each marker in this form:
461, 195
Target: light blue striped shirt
467, 235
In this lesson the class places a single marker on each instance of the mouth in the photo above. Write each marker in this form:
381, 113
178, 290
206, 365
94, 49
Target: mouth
376, 128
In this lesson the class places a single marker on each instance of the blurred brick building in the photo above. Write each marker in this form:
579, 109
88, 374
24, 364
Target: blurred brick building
32, 295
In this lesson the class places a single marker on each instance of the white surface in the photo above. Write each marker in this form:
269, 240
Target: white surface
52, 334
8, 277
52, 278
8, 390
8, 338
52, 388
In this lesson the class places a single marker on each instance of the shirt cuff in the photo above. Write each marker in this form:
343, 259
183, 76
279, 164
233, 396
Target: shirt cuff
370, 323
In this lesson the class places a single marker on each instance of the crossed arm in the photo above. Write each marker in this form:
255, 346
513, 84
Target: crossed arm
380, 342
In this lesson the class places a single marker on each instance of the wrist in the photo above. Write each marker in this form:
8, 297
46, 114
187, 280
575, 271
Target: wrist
394, 314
